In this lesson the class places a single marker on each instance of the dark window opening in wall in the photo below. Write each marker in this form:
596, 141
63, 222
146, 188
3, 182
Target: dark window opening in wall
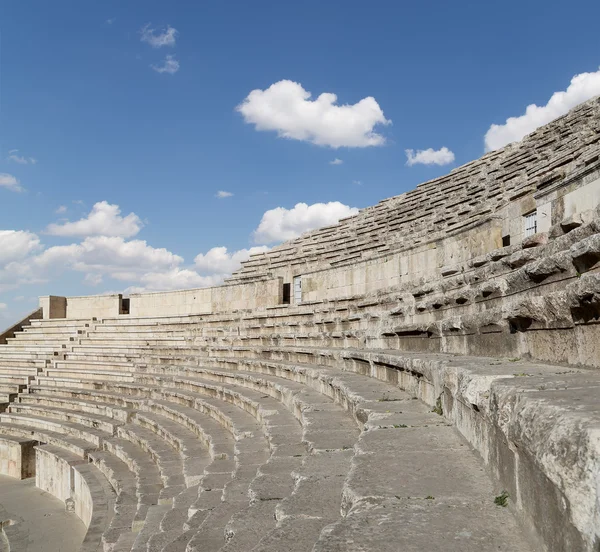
125, 306
505, 241
287, 294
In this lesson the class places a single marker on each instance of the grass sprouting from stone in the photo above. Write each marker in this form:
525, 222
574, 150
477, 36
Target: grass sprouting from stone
502, 499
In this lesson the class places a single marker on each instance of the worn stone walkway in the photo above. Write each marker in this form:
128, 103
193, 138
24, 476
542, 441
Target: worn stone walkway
43, 524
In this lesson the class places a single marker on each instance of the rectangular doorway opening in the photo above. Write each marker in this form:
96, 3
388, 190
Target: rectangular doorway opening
287, 294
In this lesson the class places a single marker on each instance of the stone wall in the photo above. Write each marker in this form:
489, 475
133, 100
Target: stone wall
254, 295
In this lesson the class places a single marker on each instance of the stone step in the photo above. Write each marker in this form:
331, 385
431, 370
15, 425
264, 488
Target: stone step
122, 415
168, 461
102, 423
93, 437
79, 447
90, 374
192, 451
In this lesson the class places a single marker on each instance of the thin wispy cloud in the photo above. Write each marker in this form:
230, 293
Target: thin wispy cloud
222, 194
13, 155
157, 38
111, 20
170, 65
61, 210
336, 161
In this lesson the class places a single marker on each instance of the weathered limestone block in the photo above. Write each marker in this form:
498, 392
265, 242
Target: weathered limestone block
519, 258
17, 457
576, 220
541, 238
492, 288
450, 270
586, 253
538, 271
583, 298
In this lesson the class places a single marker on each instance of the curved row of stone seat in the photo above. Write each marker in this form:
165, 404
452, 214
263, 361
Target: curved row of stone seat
61, 381
119, 446
374, 414
429, 382
510, 292
430, 377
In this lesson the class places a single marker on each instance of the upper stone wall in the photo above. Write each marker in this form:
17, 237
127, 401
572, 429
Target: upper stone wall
460, 200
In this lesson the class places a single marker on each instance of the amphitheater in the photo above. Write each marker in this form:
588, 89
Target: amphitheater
421, 376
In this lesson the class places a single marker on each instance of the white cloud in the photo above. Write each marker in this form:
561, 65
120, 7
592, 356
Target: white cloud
108, 255
357, 182
3, 306
218, 261
61, 210
582, 87
104, 220
21, 159
9, 182
111, 20
336, 161
176, 278
170, 65
158, 39
221, 194
286, 107
429, 156
16, 245
282, 224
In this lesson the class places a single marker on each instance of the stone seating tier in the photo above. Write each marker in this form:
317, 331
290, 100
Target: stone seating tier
137, 423
463, 197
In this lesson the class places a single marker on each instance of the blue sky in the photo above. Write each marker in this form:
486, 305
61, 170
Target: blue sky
82, 94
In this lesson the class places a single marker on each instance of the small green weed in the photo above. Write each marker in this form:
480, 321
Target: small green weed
502, 499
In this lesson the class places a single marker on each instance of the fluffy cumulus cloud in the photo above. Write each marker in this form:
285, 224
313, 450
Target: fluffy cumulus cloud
222, 194
429, 156
282, 224
16, 249
582, 87
9, 182
157, 38
108, 255
219, 261
104, 220
170, 65
16, 245
176, 278
286, 108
